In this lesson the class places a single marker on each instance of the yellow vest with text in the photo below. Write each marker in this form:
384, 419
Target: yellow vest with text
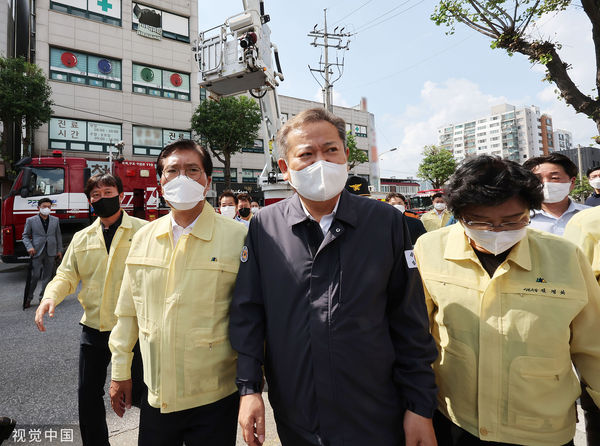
506, 343
175, 299
584, 230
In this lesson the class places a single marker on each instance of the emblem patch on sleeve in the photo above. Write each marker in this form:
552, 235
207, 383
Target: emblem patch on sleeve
244, 256
410, 258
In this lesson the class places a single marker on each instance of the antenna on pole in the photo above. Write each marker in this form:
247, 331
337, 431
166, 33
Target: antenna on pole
339, 41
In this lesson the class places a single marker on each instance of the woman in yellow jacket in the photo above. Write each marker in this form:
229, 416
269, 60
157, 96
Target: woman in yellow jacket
510, 309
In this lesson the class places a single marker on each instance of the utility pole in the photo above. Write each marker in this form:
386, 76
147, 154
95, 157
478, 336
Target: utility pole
339, 41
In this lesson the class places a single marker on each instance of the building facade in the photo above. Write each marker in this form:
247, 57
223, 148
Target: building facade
119, 71
563, 140
404, 186
590, 157
509, 132
547, 134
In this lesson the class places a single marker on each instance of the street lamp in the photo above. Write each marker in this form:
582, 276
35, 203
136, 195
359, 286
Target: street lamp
388, 151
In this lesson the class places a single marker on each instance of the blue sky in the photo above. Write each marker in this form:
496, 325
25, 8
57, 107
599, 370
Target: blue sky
414, 76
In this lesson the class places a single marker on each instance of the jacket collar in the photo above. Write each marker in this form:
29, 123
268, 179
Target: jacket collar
346, 210
458, 248
203, 228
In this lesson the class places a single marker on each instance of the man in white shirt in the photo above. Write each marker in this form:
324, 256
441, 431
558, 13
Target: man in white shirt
558, 174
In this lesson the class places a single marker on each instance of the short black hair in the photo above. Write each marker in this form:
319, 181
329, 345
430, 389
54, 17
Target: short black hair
592, 169
554, 158
41, 201
245, 197
185, 144
227, 193
488, 181
103, 179
391, 195
437, 195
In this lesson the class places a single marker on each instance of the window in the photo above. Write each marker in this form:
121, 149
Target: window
81, 135
348, 125
162, 83
151, 140
494, 124
481, 121
107, 11
46, 181
85, 69
250, 175
494, 131
259, 147
218, 174
360, 130
284, 118
154, 23
202, 94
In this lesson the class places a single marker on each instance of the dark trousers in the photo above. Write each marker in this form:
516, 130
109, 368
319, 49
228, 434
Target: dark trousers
591, 414
449, 434
94, 357
290, 437
211, 424
42, 268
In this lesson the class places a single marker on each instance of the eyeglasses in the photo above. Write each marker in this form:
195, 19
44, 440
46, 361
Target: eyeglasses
193, 173
486, 226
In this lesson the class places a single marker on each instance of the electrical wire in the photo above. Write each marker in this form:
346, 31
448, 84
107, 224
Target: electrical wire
366, 26
352, 12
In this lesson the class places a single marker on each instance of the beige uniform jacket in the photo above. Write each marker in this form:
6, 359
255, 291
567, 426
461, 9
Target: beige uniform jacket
176, 300
99, 271
506, 343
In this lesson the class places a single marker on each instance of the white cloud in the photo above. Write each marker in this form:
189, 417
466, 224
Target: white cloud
338, 99
452, 101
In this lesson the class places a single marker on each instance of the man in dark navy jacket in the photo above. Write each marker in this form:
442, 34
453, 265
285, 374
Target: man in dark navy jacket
329, 300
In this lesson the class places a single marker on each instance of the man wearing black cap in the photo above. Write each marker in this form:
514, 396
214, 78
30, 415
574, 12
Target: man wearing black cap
593, 175
358, 186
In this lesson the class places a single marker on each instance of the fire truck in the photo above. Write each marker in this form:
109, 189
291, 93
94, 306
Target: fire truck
62, 180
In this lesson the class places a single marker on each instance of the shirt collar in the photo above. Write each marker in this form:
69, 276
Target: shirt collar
573, 207
203, 225
345, 210
459, 248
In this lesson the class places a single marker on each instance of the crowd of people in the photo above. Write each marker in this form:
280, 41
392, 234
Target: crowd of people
484, 333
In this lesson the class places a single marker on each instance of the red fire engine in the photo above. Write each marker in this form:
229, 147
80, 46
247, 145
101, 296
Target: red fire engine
62, 179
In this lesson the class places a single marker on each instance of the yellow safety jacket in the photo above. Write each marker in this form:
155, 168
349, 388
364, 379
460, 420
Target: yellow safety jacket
506, 343
432, 221
100, 273
584, 230
176, 300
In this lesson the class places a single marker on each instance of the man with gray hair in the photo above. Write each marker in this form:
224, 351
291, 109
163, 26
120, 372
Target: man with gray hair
329, 300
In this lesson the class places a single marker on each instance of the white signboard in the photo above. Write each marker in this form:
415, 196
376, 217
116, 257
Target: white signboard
147, 136
170, 136
67, 129
81, 4
104, 133
111, 8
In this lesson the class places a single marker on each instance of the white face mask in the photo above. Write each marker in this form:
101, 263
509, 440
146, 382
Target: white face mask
555, 192
495, 242
595, 183
439, 206
183, 193
320, 181
45, 211
400, 207
254, 210
228, 211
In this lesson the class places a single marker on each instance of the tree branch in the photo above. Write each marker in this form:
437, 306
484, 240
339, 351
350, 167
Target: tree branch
481, 10
525, 24
557, 72
592, 9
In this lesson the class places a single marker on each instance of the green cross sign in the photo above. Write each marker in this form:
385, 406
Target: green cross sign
105, 5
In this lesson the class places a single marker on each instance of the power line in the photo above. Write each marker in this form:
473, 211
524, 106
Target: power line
325, 67
357, 9
434, 55
366, 26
